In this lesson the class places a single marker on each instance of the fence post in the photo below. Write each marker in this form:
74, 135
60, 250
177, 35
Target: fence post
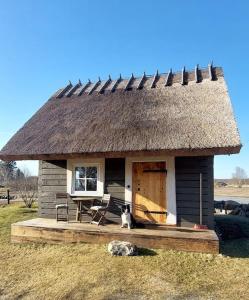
8, 196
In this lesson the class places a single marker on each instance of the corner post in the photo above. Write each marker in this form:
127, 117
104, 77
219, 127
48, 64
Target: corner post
171, 192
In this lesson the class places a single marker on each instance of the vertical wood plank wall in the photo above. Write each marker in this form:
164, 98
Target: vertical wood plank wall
187, 190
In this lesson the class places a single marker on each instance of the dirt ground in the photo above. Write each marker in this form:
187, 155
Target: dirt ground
232, 191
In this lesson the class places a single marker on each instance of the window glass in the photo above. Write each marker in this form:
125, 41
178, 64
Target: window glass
80, 172
86, 178
80, 184
91, 172
91, 184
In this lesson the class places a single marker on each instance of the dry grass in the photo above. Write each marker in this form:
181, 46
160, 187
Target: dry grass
232, 191
35, 271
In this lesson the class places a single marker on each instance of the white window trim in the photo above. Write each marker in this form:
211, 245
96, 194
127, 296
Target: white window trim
99, 163
170, 183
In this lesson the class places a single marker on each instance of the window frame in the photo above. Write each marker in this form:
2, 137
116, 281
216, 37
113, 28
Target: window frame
71, 177
85, 178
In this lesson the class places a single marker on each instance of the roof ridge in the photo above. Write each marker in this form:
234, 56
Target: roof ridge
182, 77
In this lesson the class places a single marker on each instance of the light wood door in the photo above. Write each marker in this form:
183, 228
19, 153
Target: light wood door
149, 191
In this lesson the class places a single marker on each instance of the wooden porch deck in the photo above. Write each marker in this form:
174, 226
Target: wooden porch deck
165, 237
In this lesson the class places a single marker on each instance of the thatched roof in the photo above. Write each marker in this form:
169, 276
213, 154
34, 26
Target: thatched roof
185, 113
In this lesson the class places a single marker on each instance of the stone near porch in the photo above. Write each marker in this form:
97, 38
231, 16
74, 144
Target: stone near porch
121, 248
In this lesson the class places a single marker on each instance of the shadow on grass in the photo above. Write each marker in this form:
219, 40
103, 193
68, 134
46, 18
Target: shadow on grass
29, 211
234, 231
238, 248
146, 252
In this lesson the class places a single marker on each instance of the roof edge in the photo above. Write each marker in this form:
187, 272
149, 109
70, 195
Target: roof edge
177, 152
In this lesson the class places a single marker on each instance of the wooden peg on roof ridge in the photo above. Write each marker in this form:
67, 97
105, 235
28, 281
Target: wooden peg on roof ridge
168, 78
155, 78
210, 71
197, 79
129, 82
108, 81
183, 81
140, 84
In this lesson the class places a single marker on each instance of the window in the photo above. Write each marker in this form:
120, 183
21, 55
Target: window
86, 178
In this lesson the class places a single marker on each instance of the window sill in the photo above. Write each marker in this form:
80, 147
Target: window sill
96, 194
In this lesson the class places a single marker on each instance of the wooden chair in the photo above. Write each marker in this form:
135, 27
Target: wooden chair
84, 209
62, 205
98, 212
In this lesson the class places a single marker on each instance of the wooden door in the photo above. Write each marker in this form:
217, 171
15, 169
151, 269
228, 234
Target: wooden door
149, 191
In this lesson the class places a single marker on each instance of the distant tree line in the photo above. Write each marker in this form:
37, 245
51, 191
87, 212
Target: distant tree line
9, 172
19, 180
239, 178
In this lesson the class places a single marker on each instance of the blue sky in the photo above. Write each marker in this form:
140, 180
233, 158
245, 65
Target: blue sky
46, 43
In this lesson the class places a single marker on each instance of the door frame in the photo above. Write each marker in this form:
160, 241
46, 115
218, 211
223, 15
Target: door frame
170, 183
163, 195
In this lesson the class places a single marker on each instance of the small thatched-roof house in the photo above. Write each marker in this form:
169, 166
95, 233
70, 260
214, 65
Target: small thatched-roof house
144, 140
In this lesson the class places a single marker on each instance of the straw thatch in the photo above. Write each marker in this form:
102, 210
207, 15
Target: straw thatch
187, 115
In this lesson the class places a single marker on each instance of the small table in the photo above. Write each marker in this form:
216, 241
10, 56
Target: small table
80, 204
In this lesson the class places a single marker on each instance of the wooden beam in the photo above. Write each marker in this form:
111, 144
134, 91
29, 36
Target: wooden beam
102, 89
84, 87
197, 77
210, 71
200, 198
183, 82
141, 82
168, 78
154, 81
129, 82
116, 83
94, 87
73, 89
47, 230
64, 90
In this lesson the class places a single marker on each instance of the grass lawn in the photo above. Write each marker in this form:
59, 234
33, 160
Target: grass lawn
38, 271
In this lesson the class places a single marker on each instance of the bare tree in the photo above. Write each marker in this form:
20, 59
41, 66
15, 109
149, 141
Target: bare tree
239, 176
27, 187
7, 171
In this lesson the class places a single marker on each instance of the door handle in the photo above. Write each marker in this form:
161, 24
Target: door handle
138, 189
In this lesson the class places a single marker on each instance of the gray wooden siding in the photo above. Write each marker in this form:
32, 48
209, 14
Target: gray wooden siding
53, 179
188, 171
115, 185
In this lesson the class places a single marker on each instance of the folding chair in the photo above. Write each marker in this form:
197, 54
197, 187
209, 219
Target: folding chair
98, 212
63, 205
84, 209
